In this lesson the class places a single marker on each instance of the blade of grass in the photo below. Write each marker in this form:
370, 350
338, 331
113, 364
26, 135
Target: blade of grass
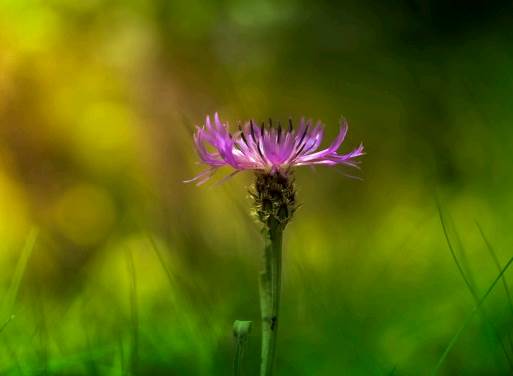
19, 271
470, 285
89, 361
453, 253
160, 257
497, 263
462, 256
122, 367
134, 317
169, 275
43, 350
59, 365
467, 321
4, 325
13, 357
493, 254
180, 302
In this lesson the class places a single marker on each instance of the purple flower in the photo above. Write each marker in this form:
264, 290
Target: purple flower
267, 149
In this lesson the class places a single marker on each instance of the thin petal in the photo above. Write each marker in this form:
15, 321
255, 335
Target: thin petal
335, 145
202, 175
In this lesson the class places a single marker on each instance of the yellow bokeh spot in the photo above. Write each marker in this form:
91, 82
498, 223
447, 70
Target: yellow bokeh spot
84, 214
106, 135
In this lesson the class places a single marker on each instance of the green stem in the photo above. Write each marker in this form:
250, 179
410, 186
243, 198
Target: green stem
270, 288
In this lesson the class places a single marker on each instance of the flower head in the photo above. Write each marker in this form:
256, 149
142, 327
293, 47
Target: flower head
267, 149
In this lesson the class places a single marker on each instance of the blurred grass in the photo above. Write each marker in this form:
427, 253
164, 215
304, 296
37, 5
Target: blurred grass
134, 272
468, 278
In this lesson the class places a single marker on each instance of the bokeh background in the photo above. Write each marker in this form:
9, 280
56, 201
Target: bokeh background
110, 265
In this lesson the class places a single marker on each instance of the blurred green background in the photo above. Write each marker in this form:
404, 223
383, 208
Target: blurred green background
110, 265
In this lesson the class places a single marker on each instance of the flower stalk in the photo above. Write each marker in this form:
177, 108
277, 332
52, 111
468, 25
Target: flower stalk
275, 203
270, 290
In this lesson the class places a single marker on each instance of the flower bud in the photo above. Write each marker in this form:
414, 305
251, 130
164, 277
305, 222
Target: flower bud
274, 198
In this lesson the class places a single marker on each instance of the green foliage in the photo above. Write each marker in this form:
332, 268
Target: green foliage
133, 272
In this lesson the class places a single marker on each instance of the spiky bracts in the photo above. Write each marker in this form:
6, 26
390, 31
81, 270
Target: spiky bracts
274, 198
